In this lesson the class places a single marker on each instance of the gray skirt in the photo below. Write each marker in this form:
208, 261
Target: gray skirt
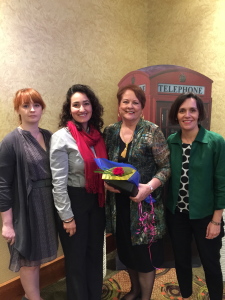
44, 241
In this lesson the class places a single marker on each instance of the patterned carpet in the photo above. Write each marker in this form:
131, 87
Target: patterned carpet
117, 284
165, 286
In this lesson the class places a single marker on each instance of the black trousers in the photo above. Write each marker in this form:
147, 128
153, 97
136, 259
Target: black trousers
84, 250
181, 230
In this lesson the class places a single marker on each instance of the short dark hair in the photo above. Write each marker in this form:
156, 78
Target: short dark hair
97, 109
180, 100
139, 93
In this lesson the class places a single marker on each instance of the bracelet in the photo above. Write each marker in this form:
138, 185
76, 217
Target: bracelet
151, 188
69, 221
215, 223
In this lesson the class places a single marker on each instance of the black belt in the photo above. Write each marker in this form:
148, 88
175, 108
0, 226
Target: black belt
42, 183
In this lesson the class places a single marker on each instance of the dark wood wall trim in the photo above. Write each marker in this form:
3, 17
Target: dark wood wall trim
110, 243
50, 273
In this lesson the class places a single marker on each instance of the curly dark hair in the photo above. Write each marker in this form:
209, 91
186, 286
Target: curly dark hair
97, 109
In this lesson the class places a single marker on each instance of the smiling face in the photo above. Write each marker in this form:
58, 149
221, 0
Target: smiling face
188, 115
130, 108
81, 109
30, 112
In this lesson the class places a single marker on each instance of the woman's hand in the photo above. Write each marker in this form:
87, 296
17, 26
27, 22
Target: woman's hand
143, 191
8, 233
70, 227
110, 188
212, 231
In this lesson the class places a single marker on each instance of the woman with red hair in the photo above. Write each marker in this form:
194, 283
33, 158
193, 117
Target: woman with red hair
26, 201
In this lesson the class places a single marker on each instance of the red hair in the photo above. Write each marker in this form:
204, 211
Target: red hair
26, 96
139, 93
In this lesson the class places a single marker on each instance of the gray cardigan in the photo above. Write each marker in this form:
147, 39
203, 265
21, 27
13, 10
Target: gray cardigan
15, 187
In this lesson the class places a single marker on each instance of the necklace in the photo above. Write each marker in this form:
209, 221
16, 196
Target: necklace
124, 152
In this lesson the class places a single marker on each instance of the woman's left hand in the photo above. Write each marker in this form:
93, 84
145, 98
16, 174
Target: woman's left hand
143, 191
212, 231
70, 227
110, 188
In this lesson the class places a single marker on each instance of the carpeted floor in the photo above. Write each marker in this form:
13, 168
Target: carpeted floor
165, 286
116, 285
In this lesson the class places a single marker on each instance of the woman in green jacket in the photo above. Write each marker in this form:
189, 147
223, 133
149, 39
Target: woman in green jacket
196, 195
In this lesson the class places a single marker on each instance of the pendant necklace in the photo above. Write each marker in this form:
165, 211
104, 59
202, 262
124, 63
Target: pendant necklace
124, 152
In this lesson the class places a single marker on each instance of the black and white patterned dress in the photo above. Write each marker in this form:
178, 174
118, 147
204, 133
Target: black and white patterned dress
183, 196
44, 242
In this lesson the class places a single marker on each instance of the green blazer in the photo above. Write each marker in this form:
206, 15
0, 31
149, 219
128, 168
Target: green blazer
206, 173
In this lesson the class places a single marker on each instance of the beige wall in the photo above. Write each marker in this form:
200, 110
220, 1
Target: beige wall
51, 44
191, 34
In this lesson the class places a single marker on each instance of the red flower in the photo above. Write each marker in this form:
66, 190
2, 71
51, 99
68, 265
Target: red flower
118, 171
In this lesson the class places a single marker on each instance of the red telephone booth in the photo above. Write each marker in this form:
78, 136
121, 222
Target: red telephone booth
162, 84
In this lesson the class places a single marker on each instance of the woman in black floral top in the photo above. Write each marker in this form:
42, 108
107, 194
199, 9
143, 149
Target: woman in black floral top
141, 144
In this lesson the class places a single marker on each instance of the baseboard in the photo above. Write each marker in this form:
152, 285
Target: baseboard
110, 243
49, 273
